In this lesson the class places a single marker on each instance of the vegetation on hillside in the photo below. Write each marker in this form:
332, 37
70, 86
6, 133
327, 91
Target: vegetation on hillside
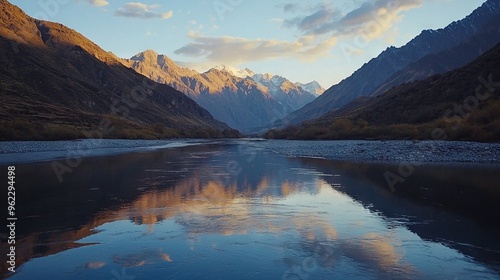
118, 129
477, 127
57, 84
463, 104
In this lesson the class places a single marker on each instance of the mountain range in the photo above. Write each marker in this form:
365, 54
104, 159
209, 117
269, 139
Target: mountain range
239, 97
273, 81
55, 83
431, 52
463, 104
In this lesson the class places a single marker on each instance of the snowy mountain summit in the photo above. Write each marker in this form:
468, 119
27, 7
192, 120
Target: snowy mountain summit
240, 73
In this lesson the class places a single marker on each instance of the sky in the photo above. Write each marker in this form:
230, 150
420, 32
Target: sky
322, 40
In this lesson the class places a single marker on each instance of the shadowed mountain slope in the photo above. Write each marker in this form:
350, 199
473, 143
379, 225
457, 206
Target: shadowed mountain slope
463, 104
243, 99
55, 84
383, 72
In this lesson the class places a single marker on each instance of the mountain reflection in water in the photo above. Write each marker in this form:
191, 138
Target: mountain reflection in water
237, 211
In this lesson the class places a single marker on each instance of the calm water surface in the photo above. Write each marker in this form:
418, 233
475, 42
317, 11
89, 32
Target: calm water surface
244, 210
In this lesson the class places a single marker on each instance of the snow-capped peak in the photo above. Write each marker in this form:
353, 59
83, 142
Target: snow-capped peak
313, 87
241, 73
268, 77
278, 80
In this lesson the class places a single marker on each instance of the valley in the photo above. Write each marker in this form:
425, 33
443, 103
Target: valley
250, 140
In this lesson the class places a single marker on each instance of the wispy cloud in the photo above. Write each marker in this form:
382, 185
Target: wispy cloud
371, 18
98, 3
141, 10
290, 7
320, 28
234, 50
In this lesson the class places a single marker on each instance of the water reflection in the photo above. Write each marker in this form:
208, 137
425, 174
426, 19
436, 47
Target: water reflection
454, 205
220, 211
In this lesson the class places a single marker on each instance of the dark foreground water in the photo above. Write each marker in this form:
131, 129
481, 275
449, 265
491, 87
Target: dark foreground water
257, 210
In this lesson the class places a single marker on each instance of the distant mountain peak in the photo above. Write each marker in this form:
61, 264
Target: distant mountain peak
221, 67
146, 56
62, 75
150, 52
240, 73
216, 70
267, 76
313, 87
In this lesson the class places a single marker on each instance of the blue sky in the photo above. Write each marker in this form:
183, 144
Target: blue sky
323, 40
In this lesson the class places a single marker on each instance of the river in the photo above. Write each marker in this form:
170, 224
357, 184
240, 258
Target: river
249, 209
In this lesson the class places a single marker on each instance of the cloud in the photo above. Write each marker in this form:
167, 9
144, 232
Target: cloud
371, 19
140, 10
98, 3
277, 20
234, 50
290, 7
321, 27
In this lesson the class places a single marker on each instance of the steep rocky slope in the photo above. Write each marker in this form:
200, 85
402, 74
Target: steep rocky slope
377, 73
463, 104
241, 98
56, 83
